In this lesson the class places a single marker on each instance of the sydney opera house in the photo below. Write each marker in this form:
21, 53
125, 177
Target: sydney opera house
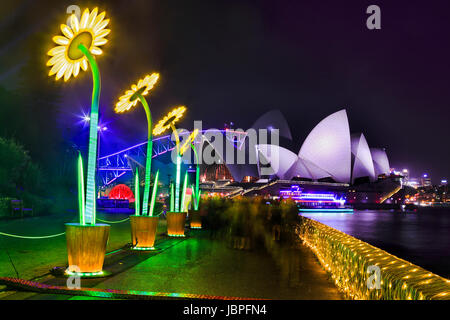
330, 160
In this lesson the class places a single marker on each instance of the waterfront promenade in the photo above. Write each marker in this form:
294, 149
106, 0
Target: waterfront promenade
195, 265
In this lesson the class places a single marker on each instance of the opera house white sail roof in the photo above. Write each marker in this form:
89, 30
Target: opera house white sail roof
362, 158
327, 152
328, 146
380, 161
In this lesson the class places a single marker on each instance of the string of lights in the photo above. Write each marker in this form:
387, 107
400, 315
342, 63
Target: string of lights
31, 237
119, 221
347, 259
109, 293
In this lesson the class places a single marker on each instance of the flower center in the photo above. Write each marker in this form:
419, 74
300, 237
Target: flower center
137, 93
170, 120
84, 38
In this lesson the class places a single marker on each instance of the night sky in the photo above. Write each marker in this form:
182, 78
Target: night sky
233, 60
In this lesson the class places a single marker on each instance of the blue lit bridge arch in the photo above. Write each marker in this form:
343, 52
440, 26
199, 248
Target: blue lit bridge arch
115, 165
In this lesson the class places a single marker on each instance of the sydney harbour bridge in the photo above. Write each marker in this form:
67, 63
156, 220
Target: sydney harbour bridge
113, 166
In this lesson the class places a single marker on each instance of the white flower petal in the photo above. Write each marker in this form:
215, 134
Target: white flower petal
61, 71
102, 33
92, 17
99, 42
63, 41
84, 19
96, 51
56, 67
84, 64
74, 23
76, 69
55, 59
66, 31
68, 72
100, 26
56, 50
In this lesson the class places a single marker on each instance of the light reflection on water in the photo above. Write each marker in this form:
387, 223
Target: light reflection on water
421, 237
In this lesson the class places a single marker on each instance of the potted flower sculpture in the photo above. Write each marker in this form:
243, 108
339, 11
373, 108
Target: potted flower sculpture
143, 225
176, 217
80, 42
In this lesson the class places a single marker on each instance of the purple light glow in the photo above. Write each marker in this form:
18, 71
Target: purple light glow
298, 195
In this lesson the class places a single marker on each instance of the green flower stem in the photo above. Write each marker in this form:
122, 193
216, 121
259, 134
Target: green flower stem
172, 202
183, 195
81, 204
93, 136
154, 192
178, 164
148, 162
177, 184
197, 179
137, 195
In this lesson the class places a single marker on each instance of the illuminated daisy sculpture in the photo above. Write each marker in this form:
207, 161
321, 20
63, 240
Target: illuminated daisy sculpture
169, 122
128, 101
188, 143
76, 47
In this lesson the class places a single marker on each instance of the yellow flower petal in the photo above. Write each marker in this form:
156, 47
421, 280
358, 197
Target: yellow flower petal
61, 40
99, 42
99, 19
102, 33
100, 26
84, 64
56, 50
92, 17
96, 51
66, 31
68, 72
84, 19
74, 23
76, 68
61, 71
56, 67
55, 59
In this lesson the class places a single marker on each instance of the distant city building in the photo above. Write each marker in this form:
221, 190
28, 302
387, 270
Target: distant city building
405, 174
413, 182
425, 181
443, 182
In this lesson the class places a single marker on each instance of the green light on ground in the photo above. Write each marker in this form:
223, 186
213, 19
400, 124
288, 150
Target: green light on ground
81, 203
172, 208
144, 248
137, 195
183, 195
177, 184
155, 190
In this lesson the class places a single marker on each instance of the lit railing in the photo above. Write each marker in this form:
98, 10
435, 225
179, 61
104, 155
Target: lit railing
348, 260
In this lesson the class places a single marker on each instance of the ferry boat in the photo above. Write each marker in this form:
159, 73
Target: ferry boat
316, 201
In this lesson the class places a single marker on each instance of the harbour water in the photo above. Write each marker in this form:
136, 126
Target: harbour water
421, 237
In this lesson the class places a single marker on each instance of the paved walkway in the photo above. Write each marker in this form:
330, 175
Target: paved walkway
199, 265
